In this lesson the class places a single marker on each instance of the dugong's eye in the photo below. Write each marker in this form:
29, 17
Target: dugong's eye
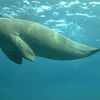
15, 33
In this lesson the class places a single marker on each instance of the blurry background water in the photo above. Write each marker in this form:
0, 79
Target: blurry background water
47, 79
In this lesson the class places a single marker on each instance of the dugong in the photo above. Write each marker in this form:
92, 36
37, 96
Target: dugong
26, 39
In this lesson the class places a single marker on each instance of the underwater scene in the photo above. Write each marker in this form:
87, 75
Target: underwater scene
48, 79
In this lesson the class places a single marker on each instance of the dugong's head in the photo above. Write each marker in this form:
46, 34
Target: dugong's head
6, 30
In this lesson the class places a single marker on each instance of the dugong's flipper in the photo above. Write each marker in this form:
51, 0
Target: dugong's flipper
22, 50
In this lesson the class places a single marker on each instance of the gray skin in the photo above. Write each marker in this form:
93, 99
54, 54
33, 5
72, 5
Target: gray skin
25, 39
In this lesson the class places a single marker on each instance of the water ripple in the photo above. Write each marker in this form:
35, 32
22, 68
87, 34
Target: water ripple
73, 16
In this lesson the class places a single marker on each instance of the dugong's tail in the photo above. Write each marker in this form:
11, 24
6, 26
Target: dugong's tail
81, 51
88, 50
93, 51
